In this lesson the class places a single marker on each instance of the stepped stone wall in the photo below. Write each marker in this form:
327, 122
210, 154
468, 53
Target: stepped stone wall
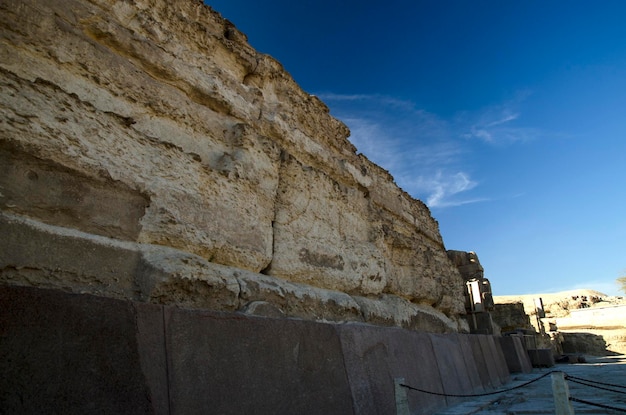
61, 356
148, 153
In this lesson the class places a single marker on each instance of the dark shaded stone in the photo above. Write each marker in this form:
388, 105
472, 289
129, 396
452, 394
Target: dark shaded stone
481, 364
484, 361
319, 259
493, 360
32, 254
582, 342
498, 356
234, 364
517, 359
541, 357
464, 341
152, 357
57, 195
69, 354
74, 354
451, 363
375, 356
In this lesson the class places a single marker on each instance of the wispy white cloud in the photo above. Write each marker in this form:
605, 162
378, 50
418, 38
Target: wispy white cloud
374, 98
443, 188
503, 120
426, 154
496, 124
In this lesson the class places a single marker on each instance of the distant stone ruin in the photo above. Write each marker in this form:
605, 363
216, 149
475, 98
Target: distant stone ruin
572, 322
477, 292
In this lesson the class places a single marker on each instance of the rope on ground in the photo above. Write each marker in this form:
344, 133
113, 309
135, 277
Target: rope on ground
599, 405
479, 394
593, 386
596, 382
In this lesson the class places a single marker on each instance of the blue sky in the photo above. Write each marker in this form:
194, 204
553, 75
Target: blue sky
507, 118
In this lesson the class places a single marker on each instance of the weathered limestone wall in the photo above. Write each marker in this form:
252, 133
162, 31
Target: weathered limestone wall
149, 133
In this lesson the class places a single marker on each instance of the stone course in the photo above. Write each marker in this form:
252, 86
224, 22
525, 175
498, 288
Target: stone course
79, 353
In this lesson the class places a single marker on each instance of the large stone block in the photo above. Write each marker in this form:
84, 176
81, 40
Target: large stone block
498, 354
515, 354
150, 334
452, 367
316, 219
71, 354
54, 194
493, 359
484, 373
392, 310
375, 356
471, 364
233, 364
484, 351
37, 254
217, 203
84, 263
541, 357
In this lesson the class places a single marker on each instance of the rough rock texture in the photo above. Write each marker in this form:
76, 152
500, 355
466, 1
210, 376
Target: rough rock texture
604, 322
512, 317
467, 264
584, 321
152, 130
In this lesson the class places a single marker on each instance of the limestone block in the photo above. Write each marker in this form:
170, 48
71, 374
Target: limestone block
467, 263
511, 316
400, 206
36, 254
322, 233
170, 276
41, 255
419, 269
391, 310
52, 193
297, 300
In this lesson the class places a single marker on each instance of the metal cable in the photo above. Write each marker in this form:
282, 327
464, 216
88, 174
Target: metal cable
479, 394
599, 405
595, 381
594, 386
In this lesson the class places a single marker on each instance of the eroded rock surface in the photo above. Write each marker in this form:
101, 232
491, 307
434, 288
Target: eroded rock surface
584, 321
152, 128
